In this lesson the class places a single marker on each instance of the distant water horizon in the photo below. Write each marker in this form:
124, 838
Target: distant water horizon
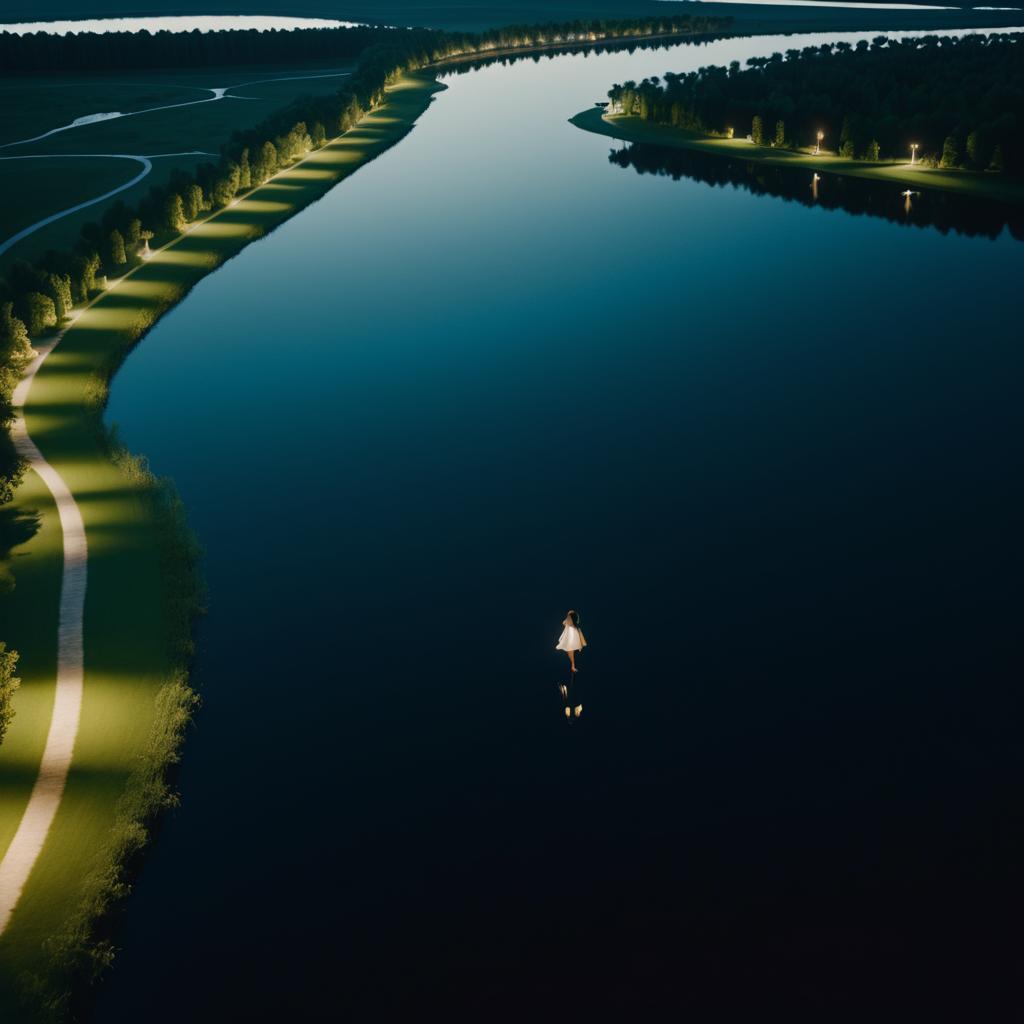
177, 23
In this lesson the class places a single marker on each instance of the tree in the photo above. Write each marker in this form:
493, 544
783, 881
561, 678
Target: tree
58, 287
996, 163
83, 275
40, 313
226, 184
319, 135
174, 212
267, 161
757, 130
9, 682
846, 149
15, 346
780, 134
192, 201
115, 252
133, 233
874, 151
244, 170
845, 135
973, 149
950, 156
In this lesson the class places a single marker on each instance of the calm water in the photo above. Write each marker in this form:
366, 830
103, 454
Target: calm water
772, 453
175, 23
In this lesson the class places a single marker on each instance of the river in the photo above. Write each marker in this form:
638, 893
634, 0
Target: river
770, 450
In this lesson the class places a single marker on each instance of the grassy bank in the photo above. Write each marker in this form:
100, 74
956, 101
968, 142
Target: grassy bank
136, 700
970, 183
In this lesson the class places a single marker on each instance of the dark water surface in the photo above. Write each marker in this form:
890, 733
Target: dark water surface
772, 452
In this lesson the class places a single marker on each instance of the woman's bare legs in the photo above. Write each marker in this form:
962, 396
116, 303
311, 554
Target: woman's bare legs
572, 660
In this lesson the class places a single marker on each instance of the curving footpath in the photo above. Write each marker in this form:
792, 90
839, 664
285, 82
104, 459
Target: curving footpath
25, 847
147, 166
24, 850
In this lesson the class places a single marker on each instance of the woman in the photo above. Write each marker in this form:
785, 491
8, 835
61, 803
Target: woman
571, 639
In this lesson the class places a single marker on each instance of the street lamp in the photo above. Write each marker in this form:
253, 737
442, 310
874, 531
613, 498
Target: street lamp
817, 147
913, 153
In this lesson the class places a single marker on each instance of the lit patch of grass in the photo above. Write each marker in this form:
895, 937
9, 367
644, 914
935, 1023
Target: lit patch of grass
223, 229
633, 129
262, 206
305, 174
180, 257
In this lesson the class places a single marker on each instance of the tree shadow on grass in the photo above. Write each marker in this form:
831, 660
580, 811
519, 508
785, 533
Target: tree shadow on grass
17, 525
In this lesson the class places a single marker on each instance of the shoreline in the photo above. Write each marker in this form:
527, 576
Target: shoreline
978, 184
132, 654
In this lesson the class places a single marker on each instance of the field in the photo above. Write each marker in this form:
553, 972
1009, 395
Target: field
40, 104
973, 183
126, 631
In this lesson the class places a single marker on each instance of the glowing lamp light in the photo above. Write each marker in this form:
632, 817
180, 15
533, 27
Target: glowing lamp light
817, 145
913, 153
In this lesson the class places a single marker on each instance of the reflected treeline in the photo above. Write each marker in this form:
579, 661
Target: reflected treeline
585, 48
943, 211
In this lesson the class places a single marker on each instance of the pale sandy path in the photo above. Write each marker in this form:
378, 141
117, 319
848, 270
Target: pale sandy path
27, 844
44, 800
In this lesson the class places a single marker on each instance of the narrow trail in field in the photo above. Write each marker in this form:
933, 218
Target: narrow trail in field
219, 93
147, 166
21, 855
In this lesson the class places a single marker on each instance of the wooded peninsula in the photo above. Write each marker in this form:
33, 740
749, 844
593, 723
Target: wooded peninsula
938, 102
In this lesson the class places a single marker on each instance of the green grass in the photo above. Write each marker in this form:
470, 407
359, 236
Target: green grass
54, 189
971, 183
127, 638
46, 186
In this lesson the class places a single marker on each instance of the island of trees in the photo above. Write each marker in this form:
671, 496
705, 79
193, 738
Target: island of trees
958, 102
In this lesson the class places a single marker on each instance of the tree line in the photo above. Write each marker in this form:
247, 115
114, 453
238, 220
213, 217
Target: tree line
113, 51
961, 101
104, 51
36, 298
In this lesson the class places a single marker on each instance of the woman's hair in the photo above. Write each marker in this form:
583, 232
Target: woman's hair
573, 617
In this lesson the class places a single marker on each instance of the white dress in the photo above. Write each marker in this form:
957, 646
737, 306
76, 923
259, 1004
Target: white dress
571, 638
